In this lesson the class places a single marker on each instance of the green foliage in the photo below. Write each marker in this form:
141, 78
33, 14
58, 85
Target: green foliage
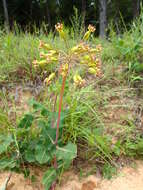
108, 171
49, 177
77, 24
33, 142
5, 142
129, 49
26, 122
134, 147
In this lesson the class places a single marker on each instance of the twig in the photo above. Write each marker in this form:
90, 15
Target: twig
4, 186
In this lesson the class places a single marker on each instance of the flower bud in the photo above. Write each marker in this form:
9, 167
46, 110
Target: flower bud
42, 62
92, 70
78, 81
45, 46
59, 27
86, 35
91, 28
49, 79
64, 69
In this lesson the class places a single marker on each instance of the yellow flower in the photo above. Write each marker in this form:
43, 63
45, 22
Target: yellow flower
98, 63
59, 27
64, 69
45, 46
92, 64
43, 55
35, 63
80, 48
92, 70
42, 63
91, 28
78, 81
53, 52
86, 57
49, 79
98, 72
93, 50
54, 59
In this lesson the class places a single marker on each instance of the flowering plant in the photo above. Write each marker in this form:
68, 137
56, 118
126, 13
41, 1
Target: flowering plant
82, 54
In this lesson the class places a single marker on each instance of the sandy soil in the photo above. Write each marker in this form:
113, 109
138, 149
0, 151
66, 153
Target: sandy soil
128, 178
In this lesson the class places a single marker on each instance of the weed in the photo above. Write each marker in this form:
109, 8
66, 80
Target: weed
40, 141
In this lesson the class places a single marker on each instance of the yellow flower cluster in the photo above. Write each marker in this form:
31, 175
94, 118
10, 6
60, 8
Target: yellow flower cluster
78, 81
45, 46
92, 60
46, 58
87, 55
64, 70
59, 28
91, 29
49, 79
80, 48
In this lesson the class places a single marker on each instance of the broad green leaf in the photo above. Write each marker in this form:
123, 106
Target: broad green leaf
5, 141
42, 155
26, 122
29, 156
68, 152
49, 177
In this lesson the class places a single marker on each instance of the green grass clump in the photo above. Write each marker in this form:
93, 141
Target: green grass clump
128, 49
18, 50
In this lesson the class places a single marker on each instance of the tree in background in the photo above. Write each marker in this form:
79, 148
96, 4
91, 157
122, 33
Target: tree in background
83, 11
48, 13
136, 8
96, 12
6, 14
102, 17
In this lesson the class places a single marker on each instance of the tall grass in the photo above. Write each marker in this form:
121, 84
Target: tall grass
17, 51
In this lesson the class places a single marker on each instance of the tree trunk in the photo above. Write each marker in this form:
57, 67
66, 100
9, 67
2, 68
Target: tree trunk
136, 8
103, 17
6, 14
48, 14
83, 11
117, 16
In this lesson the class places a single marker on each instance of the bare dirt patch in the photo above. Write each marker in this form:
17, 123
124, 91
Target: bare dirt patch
128, 178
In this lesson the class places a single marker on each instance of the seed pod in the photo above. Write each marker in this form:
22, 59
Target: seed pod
86, 35
92, 70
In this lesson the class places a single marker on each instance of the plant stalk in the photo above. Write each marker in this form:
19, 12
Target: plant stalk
60, 107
